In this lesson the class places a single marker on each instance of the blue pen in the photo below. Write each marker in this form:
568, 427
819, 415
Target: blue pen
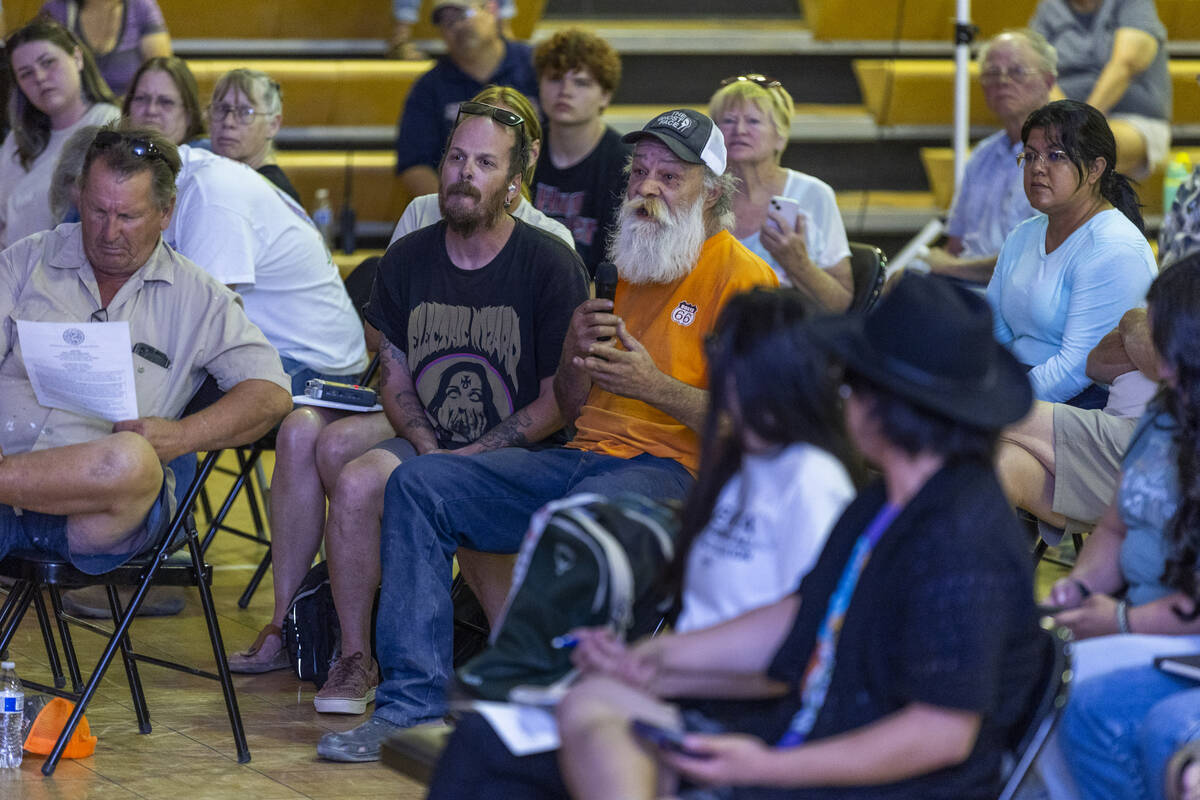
564, 642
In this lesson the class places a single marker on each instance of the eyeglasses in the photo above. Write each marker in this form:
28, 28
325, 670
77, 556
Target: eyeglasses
1030, 157
142, 148
243, 115
993, 77
755, 78
501, 115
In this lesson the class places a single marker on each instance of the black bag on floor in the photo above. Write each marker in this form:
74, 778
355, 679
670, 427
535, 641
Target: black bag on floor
586, 561
311, 631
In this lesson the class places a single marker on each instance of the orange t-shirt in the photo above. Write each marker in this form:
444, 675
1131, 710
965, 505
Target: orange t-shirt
671, 321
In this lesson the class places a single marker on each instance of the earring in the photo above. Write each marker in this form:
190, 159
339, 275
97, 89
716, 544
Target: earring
844, 391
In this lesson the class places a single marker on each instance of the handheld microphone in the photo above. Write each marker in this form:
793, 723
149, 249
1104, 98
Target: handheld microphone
606, 285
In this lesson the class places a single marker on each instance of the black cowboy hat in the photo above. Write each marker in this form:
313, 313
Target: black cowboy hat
930, 341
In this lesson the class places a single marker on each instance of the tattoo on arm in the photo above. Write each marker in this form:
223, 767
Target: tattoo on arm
509, 433
412, 421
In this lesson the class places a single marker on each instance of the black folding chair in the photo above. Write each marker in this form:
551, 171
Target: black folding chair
1046, 705
32, 572
868, 265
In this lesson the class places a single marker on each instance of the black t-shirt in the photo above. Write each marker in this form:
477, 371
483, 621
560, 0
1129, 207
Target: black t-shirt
943, 614
275, 174
478, 342
585, 197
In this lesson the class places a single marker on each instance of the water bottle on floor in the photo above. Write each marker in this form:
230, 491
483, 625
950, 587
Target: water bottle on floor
12, 718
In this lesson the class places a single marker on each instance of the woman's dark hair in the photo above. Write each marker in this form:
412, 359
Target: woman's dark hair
31, 126
917, 430
766, 375
1083, 134
185, 83
1174, 300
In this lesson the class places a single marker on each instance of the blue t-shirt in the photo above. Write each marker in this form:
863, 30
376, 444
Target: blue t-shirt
432, 104
1147, 499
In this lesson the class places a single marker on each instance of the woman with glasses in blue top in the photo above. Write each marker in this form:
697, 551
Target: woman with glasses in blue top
1065, 277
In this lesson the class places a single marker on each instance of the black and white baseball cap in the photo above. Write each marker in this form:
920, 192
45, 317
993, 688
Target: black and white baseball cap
688, 134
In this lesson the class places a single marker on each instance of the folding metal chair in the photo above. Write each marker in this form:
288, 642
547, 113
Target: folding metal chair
34, 571
868, 265
1046, 705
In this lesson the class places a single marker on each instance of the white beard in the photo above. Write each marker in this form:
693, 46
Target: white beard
660, 247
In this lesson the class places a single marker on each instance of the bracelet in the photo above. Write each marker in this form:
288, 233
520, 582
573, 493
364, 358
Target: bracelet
1123, 616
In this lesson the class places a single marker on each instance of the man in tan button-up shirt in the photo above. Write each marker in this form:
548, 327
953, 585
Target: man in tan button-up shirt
81, 487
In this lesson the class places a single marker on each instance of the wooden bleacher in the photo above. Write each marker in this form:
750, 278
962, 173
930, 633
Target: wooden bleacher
287, 19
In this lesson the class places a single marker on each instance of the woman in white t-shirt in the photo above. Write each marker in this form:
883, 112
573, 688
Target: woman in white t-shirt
57, 89
807, 247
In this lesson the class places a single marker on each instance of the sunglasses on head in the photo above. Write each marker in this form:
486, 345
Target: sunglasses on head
755, 78
141, 148
501, 115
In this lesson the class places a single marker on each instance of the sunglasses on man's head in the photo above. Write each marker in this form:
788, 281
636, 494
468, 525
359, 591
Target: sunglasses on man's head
755, 78
141, 148
501, 115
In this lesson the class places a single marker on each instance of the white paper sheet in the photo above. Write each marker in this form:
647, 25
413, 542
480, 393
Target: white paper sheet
305, 400
523, 729
85, 367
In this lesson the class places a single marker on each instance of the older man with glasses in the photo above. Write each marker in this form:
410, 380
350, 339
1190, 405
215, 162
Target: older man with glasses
1017, 70
631, 382
84, 488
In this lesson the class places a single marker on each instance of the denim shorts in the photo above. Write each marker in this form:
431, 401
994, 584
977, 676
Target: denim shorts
47, 533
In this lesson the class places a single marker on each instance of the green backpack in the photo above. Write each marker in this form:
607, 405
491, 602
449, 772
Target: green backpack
586, 561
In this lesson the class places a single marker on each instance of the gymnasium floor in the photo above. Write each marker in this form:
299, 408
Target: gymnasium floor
189, 755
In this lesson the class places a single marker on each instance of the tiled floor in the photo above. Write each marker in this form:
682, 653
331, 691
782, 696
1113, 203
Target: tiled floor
190, 753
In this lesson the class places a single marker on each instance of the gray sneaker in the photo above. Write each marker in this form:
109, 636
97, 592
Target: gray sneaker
349, 687
357, 744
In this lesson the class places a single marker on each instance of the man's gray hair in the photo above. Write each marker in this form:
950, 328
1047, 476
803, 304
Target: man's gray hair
64, 184
726, 184
1045, 53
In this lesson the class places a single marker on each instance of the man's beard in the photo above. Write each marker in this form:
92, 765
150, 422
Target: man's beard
463, 221
660, 246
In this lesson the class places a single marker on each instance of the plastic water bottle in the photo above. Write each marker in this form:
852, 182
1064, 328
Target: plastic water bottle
323, 217
12, 716
1177, 172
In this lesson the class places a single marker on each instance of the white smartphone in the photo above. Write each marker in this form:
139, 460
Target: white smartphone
786, 207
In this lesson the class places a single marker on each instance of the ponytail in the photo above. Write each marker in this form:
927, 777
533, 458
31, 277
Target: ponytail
1117, 189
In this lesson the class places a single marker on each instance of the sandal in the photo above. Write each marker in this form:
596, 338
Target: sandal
1183, 773
256, 658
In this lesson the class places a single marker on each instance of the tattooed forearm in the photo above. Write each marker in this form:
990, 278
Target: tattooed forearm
401, 402
512, 432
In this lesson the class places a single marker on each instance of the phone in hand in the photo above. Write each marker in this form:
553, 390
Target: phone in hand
664, 738
786, 207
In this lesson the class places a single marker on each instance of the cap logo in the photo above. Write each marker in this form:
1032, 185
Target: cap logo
675, 120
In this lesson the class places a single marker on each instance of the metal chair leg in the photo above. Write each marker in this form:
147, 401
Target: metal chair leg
64, 635
132, 676
56, 671
214, 636
255, 579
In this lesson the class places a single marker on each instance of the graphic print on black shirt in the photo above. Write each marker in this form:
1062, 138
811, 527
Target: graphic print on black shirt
463, 392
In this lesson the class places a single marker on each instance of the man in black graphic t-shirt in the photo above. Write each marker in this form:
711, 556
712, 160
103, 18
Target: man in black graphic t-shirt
580, 175
472, 311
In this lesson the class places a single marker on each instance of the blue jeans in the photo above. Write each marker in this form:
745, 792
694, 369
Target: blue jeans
435, 504
1121, 728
